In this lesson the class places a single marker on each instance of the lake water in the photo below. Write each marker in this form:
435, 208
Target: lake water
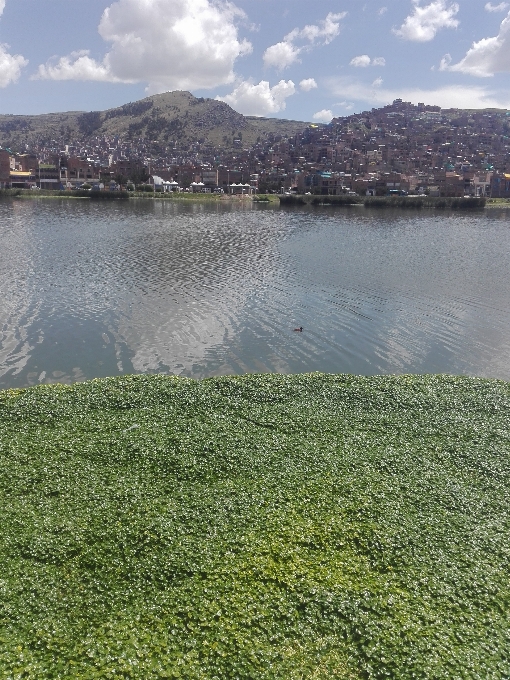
98, 289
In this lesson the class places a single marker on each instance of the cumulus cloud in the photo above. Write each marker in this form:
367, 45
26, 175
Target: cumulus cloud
360, 62
323, 116
78, 66
10, 64
259, 99
452, 96
486, 57
281, 55
489, 7
285, 53
377, 82
308, 84
423, 24
364, 60
168, 44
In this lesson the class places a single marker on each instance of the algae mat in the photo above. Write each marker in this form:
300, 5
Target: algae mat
310, 526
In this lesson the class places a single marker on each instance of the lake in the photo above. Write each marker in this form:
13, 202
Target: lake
200, 289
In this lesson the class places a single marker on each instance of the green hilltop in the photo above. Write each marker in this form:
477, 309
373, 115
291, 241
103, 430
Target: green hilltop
162, 118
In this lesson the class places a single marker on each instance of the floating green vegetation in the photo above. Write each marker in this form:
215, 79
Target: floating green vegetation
64, 193
408, 202
268, 526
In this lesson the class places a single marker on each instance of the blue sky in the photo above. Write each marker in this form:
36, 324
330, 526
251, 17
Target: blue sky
284, 58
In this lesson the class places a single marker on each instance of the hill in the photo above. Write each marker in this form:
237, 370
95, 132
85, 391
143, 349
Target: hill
264, 526
162, 118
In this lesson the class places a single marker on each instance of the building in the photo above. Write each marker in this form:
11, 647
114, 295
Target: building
49, 177
5, 168
500, 186
80, 170
240, 189
210, 178
20, 179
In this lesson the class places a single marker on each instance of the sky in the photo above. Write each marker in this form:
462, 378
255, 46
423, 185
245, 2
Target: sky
295, 59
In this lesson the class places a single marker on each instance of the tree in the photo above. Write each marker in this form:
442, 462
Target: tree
139, 175
89, 122
120, 179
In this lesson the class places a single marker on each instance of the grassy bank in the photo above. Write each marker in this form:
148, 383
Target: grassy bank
408, 202
498, 203
75, 193
177, 196
116, 195
267, 526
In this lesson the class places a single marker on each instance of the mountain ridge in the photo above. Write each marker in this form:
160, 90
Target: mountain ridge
162, 119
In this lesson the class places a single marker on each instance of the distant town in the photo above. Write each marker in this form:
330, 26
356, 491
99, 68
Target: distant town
399, 149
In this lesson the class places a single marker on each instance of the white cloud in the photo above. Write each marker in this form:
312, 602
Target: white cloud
361, 62
445, 62
377, 82
170, 45
364, 60
323, 116
259, 99
487, 56
283, 54
453, 96
78, 66
10, 64
325, 32
423, 24
308, 84
382, 11
489, 7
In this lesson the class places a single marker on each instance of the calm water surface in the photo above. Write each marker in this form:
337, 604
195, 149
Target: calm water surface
91, 290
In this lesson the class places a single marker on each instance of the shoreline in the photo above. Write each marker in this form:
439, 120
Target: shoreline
295, 200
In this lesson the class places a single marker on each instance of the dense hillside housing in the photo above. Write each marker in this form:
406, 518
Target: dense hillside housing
397, 149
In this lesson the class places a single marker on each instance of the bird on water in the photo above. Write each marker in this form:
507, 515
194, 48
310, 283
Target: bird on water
299, 330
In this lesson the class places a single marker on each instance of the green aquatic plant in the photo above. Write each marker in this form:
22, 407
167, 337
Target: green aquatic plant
264, 526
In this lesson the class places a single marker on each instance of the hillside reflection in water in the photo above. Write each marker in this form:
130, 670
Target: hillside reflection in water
195, 289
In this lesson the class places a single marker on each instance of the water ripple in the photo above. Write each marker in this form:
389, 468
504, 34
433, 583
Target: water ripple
91, 290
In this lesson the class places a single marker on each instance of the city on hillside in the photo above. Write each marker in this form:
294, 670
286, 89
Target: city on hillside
399, 149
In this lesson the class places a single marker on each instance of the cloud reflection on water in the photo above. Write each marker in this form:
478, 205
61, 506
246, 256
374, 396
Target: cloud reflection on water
195, 289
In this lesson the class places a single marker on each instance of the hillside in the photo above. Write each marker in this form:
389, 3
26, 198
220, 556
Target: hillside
163, 118
265, 526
